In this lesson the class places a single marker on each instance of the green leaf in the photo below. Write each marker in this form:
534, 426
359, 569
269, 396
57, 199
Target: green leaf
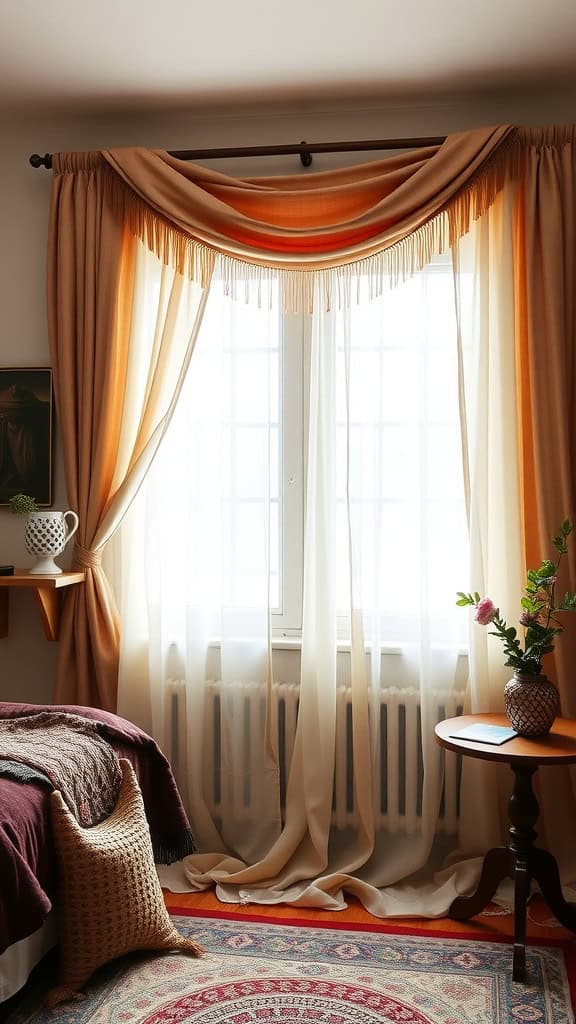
567, 527
463, 601
476, 597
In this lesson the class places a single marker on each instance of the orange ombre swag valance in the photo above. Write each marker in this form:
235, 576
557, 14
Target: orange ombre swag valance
401, 209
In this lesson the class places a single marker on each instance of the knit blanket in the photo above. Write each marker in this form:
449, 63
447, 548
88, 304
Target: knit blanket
69, 751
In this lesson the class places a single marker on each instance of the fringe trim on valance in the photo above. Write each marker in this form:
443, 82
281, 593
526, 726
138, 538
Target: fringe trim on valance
335, 282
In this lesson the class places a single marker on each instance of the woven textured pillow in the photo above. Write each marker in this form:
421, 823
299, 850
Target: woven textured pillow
110, 900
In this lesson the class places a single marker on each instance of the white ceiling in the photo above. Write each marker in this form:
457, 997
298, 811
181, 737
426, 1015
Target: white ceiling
128, 54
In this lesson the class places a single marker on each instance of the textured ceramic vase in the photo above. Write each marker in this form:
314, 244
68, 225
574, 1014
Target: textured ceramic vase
46, 534
531, 703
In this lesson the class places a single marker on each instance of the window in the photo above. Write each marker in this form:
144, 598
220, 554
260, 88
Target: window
235, 457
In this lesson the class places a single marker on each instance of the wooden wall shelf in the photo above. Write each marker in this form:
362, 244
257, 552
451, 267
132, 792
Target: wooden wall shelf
47, 591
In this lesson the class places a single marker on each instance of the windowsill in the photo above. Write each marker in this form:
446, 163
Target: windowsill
294, 643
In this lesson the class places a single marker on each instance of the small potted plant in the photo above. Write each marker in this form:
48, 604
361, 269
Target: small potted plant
530, 698
21, 504
45, 534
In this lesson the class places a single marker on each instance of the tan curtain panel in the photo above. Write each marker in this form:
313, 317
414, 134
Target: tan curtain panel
545, 258
87, 304
91, 286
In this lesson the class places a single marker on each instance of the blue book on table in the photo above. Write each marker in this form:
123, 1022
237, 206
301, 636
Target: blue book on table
479, 733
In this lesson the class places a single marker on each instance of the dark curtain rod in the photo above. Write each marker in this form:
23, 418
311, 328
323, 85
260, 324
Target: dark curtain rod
302, 149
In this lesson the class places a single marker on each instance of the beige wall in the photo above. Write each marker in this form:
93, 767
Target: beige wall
27, 660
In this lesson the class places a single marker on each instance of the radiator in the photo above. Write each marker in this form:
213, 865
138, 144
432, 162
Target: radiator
399, 766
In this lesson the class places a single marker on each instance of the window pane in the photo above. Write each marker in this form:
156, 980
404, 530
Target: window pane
254, 386
220, 461
399, 458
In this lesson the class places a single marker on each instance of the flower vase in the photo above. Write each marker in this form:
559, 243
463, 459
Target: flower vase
46, 534
532, 703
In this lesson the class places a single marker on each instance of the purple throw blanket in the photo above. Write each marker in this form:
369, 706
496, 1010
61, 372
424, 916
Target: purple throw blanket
27, 861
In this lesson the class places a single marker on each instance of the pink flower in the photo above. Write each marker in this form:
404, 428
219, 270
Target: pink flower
485, 611
528, 620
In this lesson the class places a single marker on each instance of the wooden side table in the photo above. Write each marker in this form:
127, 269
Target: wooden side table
520, 859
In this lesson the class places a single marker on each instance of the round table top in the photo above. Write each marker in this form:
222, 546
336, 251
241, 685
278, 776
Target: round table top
557, 747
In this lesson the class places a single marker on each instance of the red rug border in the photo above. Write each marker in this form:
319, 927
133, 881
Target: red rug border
567, 943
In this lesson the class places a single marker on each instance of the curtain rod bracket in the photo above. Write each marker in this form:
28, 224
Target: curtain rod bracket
305, 155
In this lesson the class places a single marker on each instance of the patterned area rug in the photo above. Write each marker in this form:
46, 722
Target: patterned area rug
262, 973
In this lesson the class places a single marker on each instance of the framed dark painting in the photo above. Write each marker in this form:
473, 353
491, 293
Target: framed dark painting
26, 420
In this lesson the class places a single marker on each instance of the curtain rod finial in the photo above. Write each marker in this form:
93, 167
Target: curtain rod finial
41, 161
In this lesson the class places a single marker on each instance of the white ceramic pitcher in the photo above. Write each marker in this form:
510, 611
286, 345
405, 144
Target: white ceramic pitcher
46, 534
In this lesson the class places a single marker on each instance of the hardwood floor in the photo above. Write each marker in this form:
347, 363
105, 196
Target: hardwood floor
541, 923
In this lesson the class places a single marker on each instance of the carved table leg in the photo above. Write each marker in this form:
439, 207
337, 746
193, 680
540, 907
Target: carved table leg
496, 866
545, 870
522, 862
514, 861
523, 812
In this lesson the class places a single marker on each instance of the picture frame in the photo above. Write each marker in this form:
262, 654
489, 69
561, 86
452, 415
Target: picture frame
26, 429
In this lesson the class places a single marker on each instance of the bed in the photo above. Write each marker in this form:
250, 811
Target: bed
27, 862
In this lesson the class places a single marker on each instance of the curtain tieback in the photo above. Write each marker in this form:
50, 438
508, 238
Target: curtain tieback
85, 558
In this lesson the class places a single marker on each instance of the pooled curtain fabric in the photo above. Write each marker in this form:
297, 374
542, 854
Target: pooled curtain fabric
98, 360
384, 529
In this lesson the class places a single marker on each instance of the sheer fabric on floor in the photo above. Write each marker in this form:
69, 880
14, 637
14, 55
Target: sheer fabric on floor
198, 572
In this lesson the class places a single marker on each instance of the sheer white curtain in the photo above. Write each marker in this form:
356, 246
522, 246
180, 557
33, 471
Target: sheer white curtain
196, 566
385, 542
485, 289
198, 571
